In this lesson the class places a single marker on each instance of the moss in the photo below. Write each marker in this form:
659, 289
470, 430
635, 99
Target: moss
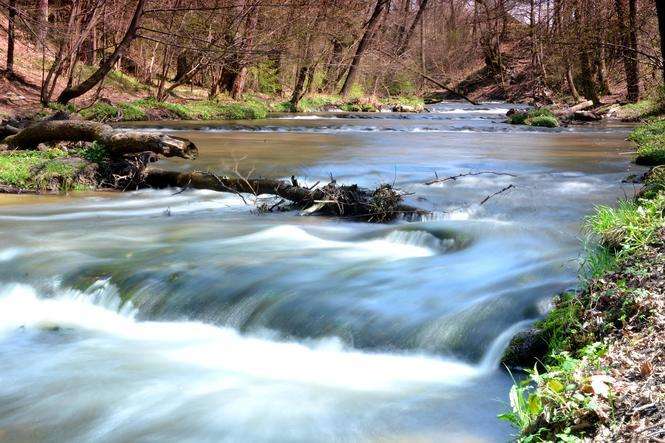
545, 121
542, 117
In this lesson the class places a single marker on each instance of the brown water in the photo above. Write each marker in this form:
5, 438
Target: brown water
164, 316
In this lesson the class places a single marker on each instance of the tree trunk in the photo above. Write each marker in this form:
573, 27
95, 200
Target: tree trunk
299, 88
106, 65
629, 45
634, 79
588, 85
406, 38
380, 205
43, 23
10, 38
660, 7
602, 70
370, 29
571, 84
239, 82
118, 142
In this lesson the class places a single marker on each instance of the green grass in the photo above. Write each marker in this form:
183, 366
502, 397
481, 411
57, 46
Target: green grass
653, 105
194, 110
35, 170
628, 227
650, 139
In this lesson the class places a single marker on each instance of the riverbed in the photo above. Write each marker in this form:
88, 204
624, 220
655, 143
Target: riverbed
160, 315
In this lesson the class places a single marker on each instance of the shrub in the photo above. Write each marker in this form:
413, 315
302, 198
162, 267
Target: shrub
544, 405
519, 118
267, 78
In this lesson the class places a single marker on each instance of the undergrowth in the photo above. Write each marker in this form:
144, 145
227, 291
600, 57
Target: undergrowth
569, 395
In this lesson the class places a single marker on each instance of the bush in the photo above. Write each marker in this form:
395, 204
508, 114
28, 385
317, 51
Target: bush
546, 121
519, 118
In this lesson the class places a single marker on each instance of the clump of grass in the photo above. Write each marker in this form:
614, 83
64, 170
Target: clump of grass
37, 170
630, 226
650, 139
196, 110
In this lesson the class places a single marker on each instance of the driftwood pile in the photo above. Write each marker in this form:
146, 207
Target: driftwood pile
380, 205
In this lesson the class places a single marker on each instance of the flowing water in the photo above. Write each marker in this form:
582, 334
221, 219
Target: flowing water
189, 317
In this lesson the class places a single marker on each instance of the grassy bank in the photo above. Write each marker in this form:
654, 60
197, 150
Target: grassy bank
599, 378
247, 109
51, 170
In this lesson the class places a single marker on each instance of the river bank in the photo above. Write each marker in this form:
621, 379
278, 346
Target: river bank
597, 356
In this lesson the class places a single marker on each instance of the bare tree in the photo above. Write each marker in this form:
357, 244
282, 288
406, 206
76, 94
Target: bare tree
107, 64
370, 29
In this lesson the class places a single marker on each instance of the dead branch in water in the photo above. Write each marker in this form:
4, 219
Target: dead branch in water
510, 186
380, 205
466, 174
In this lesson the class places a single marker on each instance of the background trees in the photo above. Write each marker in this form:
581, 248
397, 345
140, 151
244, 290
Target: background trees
502, 48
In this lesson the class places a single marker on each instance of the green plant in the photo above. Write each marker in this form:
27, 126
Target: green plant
570, 391
95, 152
131, 112
644, 133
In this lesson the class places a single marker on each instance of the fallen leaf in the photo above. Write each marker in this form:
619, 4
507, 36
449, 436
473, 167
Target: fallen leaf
646, 368
600, 384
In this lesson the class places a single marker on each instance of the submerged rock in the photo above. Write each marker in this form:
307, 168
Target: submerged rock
525, 349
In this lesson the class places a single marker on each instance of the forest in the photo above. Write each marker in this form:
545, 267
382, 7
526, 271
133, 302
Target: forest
332, 220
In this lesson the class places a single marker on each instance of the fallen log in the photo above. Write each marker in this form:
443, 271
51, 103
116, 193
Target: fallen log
118, 142
380, 205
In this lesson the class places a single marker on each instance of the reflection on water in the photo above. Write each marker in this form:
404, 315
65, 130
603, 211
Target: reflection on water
164, 316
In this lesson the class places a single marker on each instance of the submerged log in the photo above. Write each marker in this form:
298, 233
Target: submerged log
380, 205
118, 142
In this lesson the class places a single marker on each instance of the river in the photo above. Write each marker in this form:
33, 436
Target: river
190, 317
